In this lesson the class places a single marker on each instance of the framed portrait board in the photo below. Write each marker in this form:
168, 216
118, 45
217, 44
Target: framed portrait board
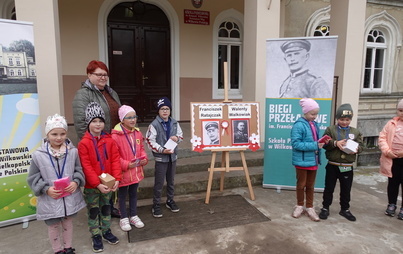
224, 125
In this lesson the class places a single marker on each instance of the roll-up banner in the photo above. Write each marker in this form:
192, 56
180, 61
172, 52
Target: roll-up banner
295, 68
20, 132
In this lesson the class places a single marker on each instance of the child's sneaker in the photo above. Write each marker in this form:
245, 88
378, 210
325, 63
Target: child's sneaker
324, 213
312, 214
347, 214
171, 205
400, 215
125, 224
390, 210
136, 221
156, 211
110, 238
69, 250
97, 245
298, 211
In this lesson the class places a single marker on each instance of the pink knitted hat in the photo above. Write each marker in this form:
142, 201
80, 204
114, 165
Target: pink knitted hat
308, 104
123, 110
400, 104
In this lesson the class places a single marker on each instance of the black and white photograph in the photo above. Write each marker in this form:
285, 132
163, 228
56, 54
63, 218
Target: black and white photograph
211, 133
300, 67
240, 131
17, 59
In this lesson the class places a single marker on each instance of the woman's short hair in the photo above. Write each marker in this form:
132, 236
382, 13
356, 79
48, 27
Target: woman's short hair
94, 64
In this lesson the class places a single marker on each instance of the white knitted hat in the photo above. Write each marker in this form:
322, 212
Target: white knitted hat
55, 121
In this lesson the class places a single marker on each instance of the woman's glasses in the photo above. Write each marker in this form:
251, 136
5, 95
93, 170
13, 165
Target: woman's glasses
130, 117
100, 75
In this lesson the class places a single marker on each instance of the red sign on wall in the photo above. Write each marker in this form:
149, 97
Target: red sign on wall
197, 17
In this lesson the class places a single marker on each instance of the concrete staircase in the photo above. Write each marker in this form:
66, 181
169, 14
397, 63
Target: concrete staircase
192, 172
192, 167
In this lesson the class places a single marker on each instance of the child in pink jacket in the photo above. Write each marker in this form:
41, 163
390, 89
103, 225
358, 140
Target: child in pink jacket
391, 145
132, 159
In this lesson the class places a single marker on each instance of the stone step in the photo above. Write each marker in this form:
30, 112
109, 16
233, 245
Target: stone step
194, 182
202, 161
192, 173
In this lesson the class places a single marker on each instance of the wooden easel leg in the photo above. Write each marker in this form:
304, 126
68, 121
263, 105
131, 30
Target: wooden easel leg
245, 168
210, 178
223, 162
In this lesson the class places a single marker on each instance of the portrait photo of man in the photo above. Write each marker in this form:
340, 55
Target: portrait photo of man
301, 82
241, 135
212, 133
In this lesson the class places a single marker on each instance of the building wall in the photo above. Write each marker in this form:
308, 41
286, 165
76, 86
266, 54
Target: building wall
295, 19
79, 44
374, 109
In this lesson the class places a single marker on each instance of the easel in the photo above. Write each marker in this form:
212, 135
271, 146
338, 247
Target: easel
225, 166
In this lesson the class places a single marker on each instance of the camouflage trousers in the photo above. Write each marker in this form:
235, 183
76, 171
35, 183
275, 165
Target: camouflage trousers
98, 211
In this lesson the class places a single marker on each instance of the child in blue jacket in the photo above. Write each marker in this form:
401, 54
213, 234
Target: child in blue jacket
305, 157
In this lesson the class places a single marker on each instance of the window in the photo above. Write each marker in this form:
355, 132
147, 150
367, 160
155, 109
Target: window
322, 30
19, 73
382, 43
10, 61
18, 61
370, 142
318, 23
229, 50
374, 60
7, 9
227, 47
33, 73
11, 72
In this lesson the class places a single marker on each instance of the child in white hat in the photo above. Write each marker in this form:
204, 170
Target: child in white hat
55, 176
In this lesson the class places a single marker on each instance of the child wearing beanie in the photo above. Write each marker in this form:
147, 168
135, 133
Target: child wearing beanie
132, 159
162, 129
55, 176
306, 157
391, 161
340, 163
99, 154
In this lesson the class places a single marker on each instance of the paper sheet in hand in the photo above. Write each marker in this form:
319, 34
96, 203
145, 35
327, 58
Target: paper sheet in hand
170, 144
138, 160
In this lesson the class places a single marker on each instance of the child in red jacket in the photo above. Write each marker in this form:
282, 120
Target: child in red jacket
98, 154
132, 159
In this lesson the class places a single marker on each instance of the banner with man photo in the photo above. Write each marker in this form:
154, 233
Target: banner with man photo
295, 68
20, 125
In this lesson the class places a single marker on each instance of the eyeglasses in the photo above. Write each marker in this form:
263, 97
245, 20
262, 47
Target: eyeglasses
100, 75
165, 109
130, 117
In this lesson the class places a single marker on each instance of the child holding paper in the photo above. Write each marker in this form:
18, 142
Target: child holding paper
132, 159
340, 161
56, 162
161, 130
306, 157
99, 155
